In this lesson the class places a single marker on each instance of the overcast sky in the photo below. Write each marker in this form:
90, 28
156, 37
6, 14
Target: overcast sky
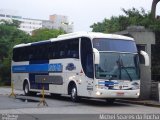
82, 12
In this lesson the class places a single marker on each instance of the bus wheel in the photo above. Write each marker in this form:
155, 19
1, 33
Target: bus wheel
26, 88
74, 96
110, 100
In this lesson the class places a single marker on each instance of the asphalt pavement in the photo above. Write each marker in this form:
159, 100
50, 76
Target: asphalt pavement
62, 108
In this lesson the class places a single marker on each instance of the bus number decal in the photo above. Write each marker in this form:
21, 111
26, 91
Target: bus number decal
55, 67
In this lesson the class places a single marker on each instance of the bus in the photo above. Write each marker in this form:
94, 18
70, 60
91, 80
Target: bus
82, 64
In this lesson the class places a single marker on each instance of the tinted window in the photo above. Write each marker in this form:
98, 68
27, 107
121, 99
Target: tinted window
20, 54
104, 44
65, 49
48, 50
87, 57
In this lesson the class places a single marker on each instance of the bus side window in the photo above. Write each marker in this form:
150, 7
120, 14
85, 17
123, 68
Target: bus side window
31, 53
64, 49
87, 57
74, 48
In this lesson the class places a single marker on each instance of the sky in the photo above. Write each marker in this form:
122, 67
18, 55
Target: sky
82, 12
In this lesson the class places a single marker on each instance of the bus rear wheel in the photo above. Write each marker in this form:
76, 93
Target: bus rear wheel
26, 90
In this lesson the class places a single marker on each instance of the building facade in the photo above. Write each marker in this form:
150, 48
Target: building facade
58, 22
28, 25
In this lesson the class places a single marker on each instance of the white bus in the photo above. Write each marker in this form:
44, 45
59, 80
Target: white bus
83, 64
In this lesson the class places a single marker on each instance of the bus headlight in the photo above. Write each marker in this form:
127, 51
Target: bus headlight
138, 94
135, 86
98, 93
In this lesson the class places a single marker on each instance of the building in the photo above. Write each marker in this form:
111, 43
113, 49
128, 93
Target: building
58, 22
28, 25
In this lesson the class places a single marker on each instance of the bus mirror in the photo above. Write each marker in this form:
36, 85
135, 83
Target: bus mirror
96, 56
146, 57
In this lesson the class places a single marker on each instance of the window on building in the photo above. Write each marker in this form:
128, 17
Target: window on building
2, 15
8, 16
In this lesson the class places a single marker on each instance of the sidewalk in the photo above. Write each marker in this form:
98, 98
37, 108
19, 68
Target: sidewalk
151, 103
6, 90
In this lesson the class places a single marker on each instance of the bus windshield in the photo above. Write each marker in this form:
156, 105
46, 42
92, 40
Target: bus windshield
119, 45
118, 59
118, 66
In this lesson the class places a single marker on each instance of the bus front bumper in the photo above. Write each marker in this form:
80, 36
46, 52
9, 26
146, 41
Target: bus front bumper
102, 93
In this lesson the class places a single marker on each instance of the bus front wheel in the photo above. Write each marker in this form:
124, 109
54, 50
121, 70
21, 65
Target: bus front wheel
74, 96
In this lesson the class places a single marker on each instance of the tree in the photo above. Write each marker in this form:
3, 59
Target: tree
10, 35
12, 22
132, 17
45, 34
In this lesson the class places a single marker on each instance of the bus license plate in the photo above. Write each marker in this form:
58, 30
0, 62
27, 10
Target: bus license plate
120, 93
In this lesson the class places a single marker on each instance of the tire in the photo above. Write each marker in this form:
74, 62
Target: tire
74, 96
110, 101
26, 90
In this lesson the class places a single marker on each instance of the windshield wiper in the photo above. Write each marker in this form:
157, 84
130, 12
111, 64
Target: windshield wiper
122, 66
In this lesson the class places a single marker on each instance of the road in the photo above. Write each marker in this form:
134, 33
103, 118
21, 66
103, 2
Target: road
63, 105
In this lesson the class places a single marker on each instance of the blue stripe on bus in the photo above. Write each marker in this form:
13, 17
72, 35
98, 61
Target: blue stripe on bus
101, 82
107, 83
37, 68
35, 85
32, 76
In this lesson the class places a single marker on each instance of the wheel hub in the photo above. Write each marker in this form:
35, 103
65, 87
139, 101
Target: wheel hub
26, 88
73, 92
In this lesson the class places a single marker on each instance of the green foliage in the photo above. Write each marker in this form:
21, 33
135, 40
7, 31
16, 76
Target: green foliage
132, 17
14, 23
45, 34
10, 35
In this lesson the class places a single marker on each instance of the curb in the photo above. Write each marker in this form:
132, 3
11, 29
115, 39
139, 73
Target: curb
9, 94
146, 103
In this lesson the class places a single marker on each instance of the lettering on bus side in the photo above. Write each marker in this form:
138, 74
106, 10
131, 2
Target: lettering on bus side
55, 67
89, 87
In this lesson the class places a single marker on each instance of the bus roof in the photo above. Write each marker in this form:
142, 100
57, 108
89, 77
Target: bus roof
93, 35
90, 35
